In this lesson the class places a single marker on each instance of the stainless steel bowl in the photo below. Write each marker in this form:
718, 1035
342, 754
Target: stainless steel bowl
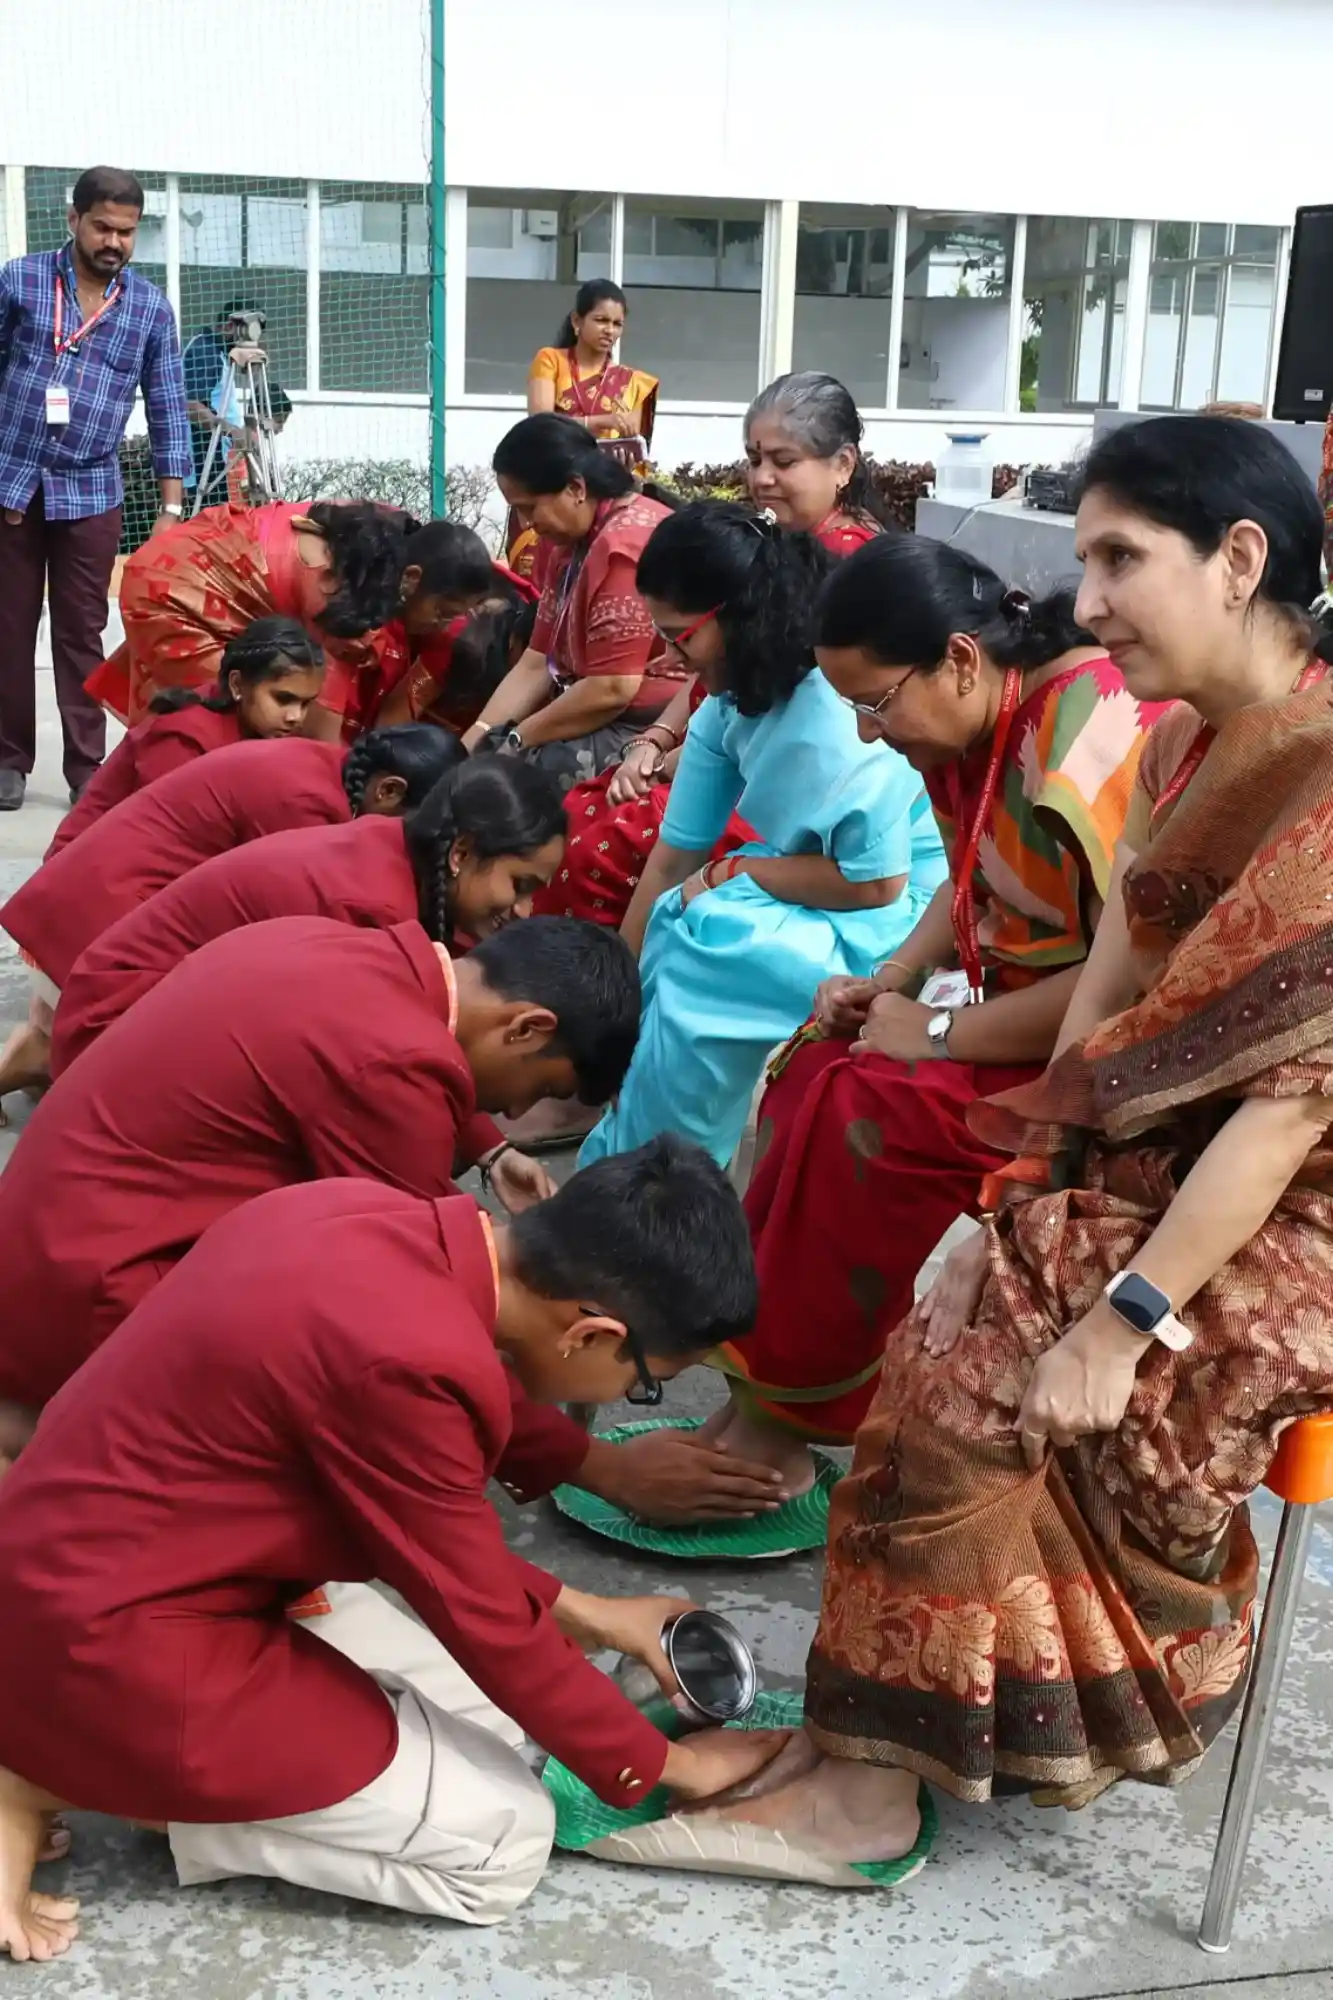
711, 1661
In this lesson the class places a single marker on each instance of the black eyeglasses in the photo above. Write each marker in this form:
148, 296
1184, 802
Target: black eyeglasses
647, 1392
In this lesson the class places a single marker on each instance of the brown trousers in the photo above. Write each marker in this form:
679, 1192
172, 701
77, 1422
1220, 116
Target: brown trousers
71, 561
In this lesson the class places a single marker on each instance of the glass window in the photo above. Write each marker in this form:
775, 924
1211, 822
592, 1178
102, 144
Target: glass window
844, 296
1074, 312
528, 251
693, 272
1210, 314
374, 288
244, 242
955, 311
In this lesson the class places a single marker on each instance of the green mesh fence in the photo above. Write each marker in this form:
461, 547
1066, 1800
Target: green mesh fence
340, 271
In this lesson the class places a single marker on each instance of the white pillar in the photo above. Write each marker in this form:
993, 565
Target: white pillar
15, 213
1281, 276
897, 302
455, 296
618, 239
1137, 282
312, 285
777, 309
173, 242
1013, 366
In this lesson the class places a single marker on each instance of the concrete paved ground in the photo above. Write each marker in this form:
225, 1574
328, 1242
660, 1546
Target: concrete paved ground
1015, 1904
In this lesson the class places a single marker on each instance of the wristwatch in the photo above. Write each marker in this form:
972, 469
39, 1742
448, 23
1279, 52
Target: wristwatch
512, 740
937, 1031
173, 508
1146, 1308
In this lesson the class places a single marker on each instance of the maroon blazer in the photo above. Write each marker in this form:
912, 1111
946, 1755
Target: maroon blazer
150, 839
313, 1393
145, 754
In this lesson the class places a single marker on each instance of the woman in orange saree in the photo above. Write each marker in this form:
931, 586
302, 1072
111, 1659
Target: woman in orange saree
343, 569
1041, 1574
580, 377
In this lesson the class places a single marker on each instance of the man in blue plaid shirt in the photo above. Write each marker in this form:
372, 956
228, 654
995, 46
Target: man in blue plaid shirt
80, 333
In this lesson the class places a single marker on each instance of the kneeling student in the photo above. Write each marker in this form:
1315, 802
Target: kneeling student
318, 1391
287, 1051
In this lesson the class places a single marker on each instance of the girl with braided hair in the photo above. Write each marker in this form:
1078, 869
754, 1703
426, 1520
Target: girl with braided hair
201, 809
467, 861
270, 674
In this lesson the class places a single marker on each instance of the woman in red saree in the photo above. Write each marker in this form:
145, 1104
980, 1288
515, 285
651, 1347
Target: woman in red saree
595, 672
581, 377
803, 446
340, 568
1041, 1573
1029, 742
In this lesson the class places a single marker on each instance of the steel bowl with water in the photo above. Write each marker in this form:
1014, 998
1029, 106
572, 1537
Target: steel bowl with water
711, 1661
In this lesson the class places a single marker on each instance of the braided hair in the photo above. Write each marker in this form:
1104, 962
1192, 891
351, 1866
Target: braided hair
416, 752
266, 650
499, 805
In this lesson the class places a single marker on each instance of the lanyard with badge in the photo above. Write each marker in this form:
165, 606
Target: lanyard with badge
961, 988
57, 395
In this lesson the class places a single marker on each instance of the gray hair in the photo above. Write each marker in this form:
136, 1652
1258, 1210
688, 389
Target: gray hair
818, 411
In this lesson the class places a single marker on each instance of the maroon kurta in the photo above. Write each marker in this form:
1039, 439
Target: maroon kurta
313, 1394
145, 754
201, 809
283, 1052
357, 874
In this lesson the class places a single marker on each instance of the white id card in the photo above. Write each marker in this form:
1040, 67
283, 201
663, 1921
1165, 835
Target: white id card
57, 404
944, 989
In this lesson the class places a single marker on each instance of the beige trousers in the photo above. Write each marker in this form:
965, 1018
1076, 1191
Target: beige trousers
457, 1826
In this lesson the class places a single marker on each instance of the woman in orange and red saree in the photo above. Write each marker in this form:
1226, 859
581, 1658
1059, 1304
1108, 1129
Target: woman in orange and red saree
803, 447
1041, 1574
580, 377
1028, 742
343, 569
595, 672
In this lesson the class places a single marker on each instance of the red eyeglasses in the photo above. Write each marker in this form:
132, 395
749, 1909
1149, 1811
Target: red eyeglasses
678, 640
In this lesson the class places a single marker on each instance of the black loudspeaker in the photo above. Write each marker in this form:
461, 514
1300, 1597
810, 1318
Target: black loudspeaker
1305, 357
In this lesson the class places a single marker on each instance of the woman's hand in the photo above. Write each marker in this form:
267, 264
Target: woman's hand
630, 1625
716, 1760
640, 769
896, 1027
612, 423
1082, 1384
520, 1181
841, 1005
952, 1300
694, 885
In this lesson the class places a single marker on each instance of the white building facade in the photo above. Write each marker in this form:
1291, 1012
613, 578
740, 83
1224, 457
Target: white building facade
995, 217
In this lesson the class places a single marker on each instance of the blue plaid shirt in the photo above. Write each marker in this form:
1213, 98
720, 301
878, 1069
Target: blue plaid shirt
75, 464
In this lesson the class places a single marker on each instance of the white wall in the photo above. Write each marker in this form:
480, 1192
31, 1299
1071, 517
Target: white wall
1151, 108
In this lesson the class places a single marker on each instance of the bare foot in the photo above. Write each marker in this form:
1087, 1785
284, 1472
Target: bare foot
25, 1059
751, 1436
797, 1756
713, 1429
32, 1926
58, 1839
851, 1812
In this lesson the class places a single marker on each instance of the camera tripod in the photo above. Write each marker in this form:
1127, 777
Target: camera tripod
250, 471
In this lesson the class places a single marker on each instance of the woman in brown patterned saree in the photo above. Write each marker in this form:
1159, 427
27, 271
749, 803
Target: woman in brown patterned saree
1041, 1574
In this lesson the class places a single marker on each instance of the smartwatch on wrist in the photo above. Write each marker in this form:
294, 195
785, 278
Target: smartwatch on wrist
512, 739
1146, 1308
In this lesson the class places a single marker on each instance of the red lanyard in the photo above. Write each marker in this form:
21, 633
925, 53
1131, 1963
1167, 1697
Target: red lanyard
963, 909
584, 409
1188, 767
86, 326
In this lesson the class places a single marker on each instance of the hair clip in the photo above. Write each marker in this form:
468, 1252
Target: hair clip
1016, 604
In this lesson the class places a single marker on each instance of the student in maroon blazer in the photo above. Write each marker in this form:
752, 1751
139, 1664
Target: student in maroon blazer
319, 1391
200, 809
469, 860
284, 1052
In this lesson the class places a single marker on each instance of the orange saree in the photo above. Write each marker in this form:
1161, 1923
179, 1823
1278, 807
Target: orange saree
614, 387
999, 1629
